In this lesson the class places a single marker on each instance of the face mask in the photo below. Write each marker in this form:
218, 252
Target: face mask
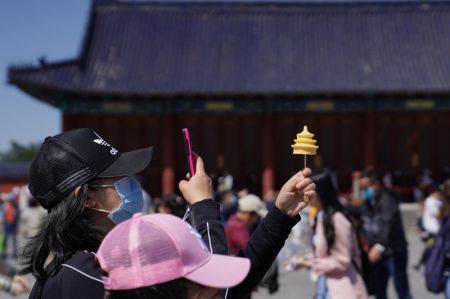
233, 199
130, 193
368, 193
131, 197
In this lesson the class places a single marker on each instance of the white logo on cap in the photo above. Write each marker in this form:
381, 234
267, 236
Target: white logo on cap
100, 141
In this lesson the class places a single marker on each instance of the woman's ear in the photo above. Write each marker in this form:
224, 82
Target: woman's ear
90, 202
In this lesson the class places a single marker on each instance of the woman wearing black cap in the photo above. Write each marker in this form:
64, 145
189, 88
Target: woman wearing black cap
87, 187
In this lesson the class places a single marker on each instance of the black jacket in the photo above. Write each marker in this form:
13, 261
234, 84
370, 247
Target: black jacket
262, 249
79, 276
382, 223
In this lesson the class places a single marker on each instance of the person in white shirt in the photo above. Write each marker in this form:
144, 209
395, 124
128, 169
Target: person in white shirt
430, 217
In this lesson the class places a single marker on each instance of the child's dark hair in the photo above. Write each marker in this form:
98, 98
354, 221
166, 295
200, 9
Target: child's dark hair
170, 290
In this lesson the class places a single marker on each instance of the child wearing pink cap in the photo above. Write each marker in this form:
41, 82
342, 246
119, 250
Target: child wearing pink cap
172, 263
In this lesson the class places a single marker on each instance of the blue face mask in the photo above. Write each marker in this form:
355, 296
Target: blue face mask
130, 193
368, 193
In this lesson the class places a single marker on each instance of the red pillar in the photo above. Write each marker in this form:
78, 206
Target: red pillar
168, 173
268, 176
369, 141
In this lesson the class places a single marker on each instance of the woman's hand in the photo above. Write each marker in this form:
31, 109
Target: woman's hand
19, 285
199, 187
296, 193
375, 254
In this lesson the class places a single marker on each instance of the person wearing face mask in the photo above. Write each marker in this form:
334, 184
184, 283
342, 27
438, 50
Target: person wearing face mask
87, 187
382, 226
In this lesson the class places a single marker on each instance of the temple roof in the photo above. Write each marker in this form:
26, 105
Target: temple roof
291, 47
14, 170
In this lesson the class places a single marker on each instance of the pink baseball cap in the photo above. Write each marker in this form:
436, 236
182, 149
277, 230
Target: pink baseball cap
154, 249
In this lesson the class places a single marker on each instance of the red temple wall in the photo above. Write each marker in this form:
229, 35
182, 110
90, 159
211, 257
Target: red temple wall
256, 147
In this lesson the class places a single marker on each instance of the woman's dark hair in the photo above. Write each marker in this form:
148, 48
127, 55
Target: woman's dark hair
328, 195
173, 289
65, 230
371, 175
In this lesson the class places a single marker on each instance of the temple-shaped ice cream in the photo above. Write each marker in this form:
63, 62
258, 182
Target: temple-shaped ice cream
305, 144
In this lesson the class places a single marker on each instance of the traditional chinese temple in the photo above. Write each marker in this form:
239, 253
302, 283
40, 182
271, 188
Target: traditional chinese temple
370, 79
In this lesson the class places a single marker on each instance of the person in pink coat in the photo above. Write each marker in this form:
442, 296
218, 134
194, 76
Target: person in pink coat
336, 254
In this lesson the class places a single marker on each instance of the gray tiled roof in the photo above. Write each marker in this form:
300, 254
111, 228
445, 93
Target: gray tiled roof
260, 48
14, 170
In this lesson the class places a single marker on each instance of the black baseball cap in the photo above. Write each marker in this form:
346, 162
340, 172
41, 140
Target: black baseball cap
73, 158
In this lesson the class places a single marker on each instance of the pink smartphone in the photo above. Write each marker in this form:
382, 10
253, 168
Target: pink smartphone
188, 151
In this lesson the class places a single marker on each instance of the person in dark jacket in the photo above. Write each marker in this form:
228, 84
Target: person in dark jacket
200, 277
383, 228
444, 215
86, 186
269, 237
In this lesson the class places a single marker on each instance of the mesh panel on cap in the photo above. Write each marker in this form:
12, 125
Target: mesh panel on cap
55, 172
137, 244
115, 250
155, 246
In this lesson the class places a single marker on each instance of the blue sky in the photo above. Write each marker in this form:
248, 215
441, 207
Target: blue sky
29, 30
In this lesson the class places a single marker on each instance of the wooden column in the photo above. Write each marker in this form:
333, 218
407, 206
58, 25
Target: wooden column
369, 141
67, 122
168, 173
268, 176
